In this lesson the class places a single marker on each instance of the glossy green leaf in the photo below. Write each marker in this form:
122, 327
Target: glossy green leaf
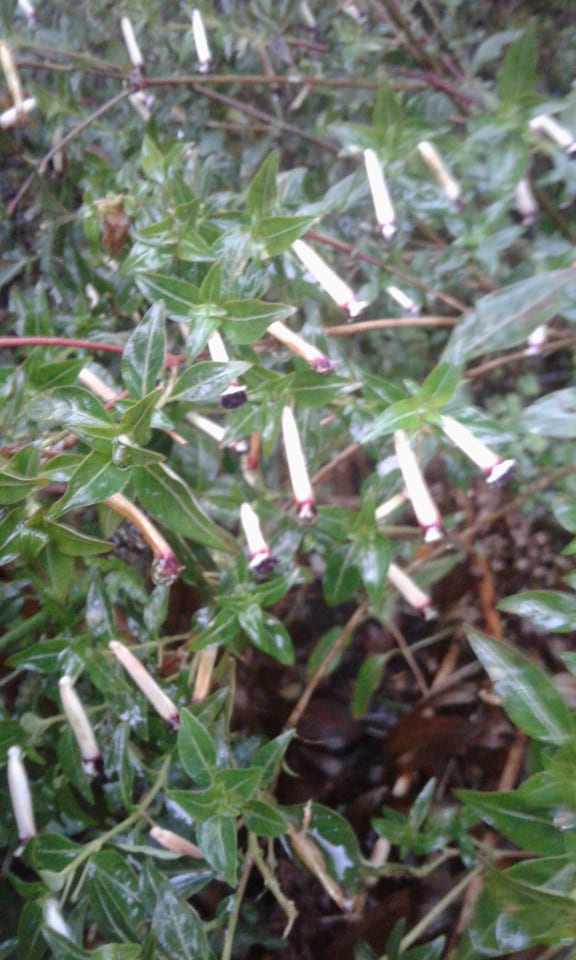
267, 633
238, 785
143, 356
217, 840
280, 232
248, 320
136, 421
178, 296
553, 415
529, 696
166, 496
507, 317
440, 384
342, 575
527, 827
367, 682
63, 948
373, 556
74, 543
264, 819
204, 382
112, 889
93, 480
403, 415
338, 843
178, 929
196, 749
270, 755
517, 75
50, 851
199, 805
261, 194
551, 610
31, 943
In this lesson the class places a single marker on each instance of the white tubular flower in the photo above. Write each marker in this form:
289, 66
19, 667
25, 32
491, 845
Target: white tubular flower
216, 431
440, 171
410, 590
162, 703
175, 843
235, 394
381, 197
492, 465
14, 115
317, 360
54, 920
20, 796
555, 132
261, 560
203, 51
307, 16
417, 489
80, 725
28, 11
340, 292
536, 340
297, 468
134, 52
526, 202
406, 302
165, 569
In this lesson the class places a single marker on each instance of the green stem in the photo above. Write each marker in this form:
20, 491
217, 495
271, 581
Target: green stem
288, 906
97, 844
21, 629
436, 910
234, 916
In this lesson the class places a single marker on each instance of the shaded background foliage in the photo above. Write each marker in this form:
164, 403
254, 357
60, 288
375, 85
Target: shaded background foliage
135, 227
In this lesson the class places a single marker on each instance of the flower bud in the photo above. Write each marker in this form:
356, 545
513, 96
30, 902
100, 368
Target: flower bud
174, 842
317, 360
261, 560
406, 302
139, 674
20, 796
440, 172
417, 489
559, 134
526, 202
234, 395
410, 590
80, 725
381, 198
297, 468
203, 51
491, 464
340, 292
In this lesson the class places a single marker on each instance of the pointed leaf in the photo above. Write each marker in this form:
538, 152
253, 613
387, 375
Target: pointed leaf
550, 610
93, 480
179, 296
196, 749
280, 232
143, 357
171, 502
553, 415
264, 819
261, 194
247, 320
530, 698
218, 842
177, 927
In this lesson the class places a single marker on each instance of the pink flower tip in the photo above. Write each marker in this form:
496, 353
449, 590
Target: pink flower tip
500, 470
166, 570
323, 365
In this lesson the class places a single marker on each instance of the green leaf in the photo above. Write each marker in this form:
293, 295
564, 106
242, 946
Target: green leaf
143, 356
267, 633
372, 557
118, 761
440, 384
270, 755
31, 943
530, 698
204, 382
112, 889
179, 296
264, 819
170, 501
73, 542
508, 316
93, 480
280, 232
196, 749
517, 75
238, 784
50, 851
367, 682
199, 805
64, 948
248, 320
136, 421
338, 843
217, 840
524, 825
550, 610
342, 576
403, 415
261, 194
177, 927
553, 415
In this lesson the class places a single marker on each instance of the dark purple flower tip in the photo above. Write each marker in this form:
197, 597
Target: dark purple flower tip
262, 564
165, 570
233, 397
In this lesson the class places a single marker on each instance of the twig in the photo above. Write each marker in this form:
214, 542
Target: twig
386, 323
235, 912
8, 342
